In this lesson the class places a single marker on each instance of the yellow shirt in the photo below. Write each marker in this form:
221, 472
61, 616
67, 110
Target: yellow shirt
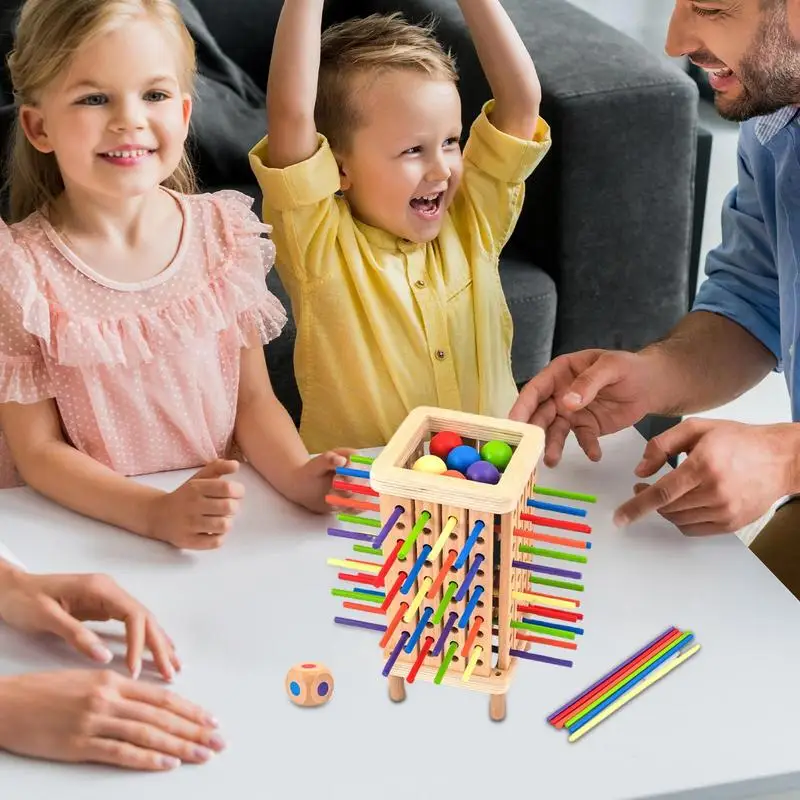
383, 324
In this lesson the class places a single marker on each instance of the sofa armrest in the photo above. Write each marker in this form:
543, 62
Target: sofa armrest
608, 214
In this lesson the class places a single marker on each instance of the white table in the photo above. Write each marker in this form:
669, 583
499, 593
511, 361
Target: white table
722, 725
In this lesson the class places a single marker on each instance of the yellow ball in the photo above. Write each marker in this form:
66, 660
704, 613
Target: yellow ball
430, 464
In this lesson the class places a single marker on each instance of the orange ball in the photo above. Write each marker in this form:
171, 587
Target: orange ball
454, 473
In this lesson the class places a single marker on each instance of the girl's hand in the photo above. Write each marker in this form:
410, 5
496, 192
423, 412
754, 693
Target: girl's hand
315, 477
59, 603
99, 716
199, 514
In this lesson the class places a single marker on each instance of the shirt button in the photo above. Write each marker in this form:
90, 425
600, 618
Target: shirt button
419, 284
441, 355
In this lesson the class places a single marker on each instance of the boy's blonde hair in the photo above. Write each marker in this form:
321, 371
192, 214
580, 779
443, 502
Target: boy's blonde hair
49, 32
370, 44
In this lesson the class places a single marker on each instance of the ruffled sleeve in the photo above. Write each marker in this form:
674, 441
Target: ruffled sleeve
23, 374
241, 284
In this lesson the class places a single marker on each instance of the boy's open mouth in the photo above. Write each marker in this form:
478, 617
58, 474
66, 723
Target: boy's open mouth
428, 205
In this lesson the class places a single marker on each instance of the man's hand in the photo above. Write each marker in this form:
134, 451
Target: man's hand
592, 393
733, 474
101, 717
58, 604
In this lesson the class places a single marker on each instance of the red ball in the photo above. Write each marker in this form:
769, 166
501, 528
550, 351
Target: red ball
454, 473
442, 443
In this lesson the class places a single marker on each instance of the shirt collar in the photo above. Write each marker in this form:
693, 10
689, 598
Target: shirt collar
387, 241
767, 127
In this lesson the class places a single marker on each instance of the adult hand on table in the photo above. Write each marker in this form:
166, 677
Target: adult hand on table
732, 475
58, 604
99, 716
592, 393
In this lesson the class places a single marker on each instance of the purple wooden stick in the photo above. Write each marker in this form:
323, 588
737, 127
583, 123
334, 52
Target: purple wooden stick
358, 623
396, 652
560, 662
362, 537
390, 523
446, 628
564, 573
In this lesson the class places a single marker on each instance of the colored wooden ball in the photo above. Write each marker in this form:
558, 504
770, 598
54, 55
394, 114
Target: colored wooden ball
452, 473
460, 458
443, 442
309, 684
483, 472
430, 464
497, 453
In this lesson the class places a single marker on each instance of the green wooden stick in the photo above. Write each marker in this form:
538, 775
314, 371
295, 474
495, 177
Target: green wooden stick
586, 498
545, 553
370, 551
448, 657
364, 598
355, 520
575, 587
448, 595
412, 537
529, 626
361, 459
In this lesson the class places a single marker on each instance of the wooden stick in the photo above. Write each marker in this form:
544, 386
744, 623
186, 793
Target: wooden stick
637, 690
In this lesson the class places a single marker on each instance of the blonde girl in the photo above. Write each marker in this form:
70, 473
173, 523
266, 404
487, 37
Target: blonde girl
133, 311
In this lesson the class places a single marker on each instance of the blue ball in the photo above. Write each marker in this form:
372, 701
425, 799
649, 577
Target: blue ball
461, 458
483, 472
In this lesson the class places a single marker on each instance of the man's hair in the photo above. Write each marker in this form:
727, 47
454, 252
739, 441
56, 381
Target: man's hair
370, 45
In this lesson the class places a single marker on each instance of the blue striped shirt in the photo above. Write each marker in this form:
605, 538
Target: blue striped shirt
753, 276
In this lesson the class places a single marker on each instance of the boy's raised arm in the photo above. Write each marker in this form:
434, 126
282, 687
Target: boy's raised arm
507, 65
292, 84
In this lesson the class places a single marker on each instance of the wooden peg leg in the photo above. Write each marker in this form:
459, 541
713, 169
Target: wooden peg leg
397, 689
497, 707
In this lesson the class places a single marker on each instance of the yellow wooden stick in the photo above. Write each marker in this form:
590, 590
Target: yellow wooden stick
446, 531
473, 661
637, 690
541, 600
356, 565
412, 609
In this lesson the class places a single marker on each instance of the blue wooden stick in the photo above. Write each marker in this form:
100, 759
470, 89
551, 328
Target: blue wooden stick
542, 506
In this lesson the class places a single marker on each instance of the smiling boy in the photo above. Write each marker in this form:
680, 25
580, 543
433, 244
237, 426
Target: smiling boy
388, 236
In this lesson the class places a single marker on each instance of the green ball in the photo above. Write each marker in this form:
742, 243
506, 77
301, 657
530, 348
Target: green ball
497, 453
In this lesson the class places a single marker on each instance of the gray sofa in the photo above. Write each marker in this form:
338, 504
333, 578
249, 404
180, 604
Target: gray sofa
603, 251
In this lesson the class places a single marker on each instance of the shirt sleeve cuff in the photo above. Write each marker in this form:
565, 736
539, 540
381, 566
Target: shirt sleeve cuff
506, 158
718, 300
304, 184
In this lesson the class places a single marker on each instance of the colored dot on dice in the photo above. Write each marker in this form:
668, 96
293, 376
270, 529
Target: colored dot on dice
453, 473
460, 458
309, 684
430, 464
443, 442
497, 453
483, 472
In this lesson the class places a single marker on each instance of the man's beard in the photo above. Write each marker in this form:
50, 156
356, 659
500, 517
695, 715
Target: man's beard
769, 73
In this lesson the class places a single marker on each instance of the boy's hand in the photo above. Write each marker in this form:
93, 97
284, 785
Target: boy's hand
59, 603
101, 717
199, 514
315, 478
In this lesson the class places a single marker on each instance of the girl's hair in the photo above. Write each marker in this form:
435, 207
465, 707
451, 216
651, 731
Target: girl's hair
48, 34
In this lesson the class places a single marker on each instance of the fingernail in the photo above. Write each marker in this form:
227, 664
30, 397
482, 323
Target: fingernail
100, 653
620, 520
212, 721
136, 671
202, 753
217, 742
167, 762
573, 399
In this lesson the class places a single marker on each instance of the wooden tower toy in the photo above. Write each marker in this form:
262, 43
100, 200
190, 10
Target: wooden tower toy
457, 590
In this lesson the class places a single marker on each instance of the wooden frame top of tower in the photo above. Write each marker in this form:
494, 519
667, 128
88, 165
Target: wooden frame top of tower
391, 471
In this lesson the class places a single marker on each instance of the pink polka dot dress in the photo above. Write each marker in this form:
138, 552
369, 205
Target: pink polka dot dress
145, 375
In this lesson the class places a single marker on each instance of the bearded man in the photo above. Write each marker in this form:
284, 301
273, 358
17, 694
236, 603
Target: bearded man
745, 321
